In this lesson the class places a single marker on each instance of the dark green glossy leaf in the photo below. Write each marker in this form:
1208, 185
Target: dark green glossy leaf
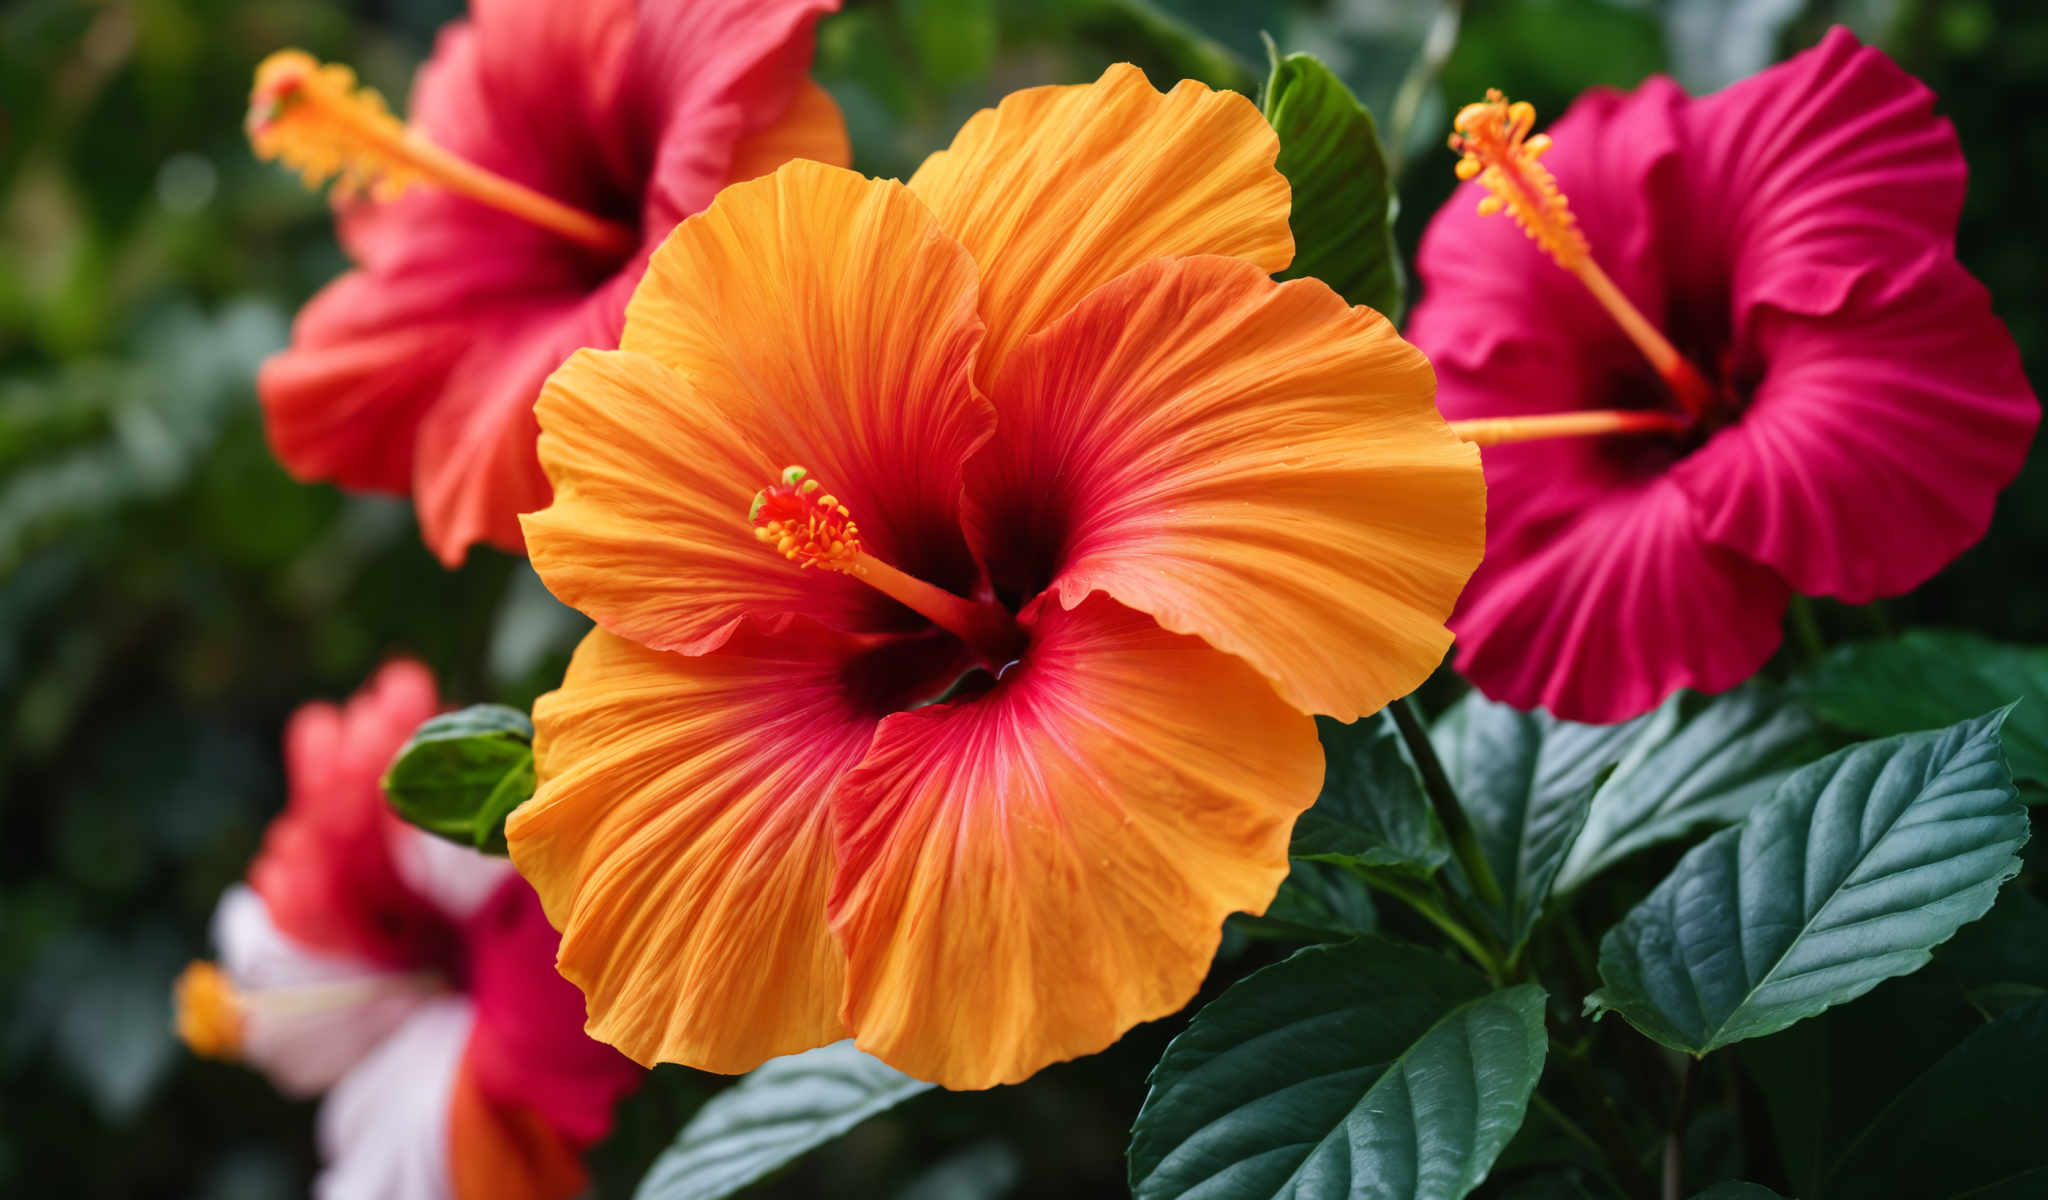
1364, 1069
1851, 873
1526, 781
784, 1109
1317, 902
1696, 761
1928, 678
1330, 152
462, 774
1372, 811
1970, 1126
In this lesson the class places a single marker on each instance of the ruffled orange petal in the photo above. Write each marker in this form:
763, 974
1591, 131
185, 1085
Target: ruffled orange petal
1026, 875
810, 317
1059, 189
812, 128
1251, 462
680, 841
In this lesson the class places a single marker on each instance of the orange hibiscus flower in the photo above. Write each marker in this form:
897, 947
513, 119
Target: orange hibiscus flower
963, 737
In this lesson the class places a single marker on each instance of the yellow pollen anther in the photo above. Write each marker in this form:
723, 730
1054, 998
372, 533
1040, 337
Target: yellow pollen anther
1493, 138
806, 524
314, 118
209, 1012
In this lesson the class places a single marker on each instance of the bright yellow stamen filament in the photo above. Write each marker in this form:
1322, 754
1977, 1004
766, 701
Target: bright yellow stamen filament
208, 1011
1495, 431
1493, 139
801, 521
315, 119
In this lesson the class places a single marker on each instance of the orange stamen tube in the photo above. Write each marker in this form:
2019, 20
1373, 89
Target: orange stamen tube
1495, 431
801, 521
1493, 139
315, 119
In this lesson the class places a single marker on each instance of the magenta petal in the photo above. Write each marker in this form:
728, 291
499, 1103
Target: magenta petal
528, 1047
1604, 616
1820, 176
1875, 448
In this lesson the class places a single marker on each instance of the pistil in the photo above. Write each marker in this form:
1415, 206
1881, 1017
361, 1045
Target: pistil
314, 118
809, 526
1493, 139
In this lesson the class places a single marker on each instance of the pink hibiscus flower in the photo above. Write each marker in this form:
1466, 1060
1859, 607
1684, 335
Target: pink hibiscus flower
552, 146
1855, 407
409, 979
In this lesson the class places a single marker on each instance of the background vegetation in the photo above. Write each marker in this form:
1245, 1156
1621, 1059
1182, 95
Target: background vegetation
167, 595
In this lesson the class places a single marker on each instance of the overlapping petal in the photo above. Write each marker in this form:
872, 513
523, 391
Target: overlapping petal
811, 127
1600, 618
681, 841
525, 1058
1254, 463
505, 1151
812, 317
1874, 448
1026, 875
1058, 190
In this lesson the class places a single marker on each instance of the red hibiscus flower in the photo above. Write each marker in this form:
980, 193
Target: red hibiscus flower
551, 147
1838, 408
410, 980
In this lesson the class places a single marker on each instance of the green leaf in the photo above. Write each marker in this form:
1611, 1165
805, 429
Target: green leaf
462, 773
1971, 1125
1363, 1069
1695, 761
1317, 902
1330, 152
784, 1109
1372, 811
1928, 679
1526, 781
1851, 873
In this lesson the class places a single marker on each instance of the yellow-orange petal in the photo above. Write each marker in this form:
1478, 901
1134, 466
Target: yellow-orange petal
811, 127
1251, 462
1059, 189
679, 839
1026, 875
811, 316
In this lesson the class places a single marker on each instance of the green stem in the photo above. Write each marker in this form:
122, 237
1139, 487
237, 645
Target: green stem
1433, 909
1808, 628
1444, 800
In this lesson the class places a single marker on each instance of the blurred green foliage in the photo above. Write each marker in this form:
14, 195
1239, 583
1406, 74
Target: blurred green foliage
168, 595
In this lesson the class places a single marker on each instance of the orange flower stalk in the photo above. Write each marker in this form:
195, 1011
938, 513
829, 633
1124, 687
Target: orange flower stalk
969, 558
